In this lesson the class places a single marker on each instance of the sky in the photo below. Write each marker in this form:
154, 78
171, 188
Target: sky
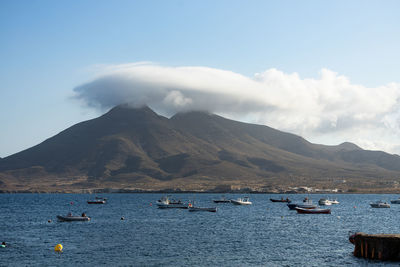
325, 70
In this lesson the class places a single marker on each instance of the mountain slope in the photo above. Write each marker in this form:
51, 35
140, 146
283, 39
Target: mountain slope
136, 148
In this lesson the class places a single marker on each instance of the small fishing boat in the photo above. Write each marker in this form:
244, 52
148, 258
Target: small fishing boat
192, 208
241, 201
380, 204
396, 201
324, 202
97, 201
222, 200
313, 211
293, 206
71, 218
166, 203
287, 200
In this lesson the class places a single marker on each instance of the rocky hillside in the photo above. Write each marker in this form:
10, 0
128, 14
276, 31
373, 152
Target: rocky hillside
136, 148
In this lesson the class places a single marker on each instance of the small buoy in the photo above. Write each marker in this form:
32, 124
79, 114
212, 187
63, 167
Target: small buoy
58, 248
49, 221
122, 218
3, 245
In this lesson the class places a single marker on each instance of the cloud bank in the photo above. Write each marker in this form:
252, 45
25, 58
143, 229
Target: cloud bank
329, 109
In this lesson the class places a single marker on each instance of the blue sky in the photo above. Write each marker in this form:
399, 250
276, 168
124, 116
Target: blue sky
49, 48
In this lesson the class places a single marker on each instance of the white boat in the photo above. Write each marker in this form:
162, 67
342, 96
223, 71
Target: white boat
380, 204
324, 202
335, 201
241, 201
166, 203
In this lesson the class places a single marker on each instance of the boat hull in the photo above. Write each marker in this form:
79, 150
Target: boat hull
171, 206
97, 202
221, 201
72, 218
280, 200
302, 206
313, 211
202, 209
380, 206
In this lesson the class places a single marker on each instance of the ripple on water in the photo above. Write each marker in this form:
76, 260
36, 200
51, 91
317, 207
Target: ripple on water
263, 234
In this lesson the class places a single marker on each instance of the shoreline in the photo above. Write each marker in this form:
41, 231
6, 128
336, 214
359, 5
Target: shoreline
129, 191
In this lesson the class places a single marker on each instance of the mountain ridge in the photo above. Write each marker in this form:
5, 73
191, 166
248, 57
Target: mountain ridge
137, 148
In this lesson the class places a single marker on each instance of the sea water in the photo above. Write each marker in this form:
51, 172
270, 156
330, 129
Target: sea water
262, 234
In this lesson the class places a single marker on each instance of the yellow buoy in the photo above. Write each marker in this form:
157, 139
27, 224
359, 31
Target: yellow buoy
58, 248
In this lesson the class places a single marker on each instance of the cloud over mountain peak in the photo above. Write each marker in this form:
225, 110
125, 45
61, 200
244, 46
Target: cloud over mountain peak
329, 107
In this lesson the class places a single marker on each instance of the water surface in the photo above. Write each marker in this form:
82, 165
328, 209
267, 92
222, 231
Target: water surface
263, 234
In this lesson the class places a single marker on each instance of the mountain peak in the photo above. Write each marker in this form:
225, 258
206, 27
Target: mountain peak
129, 107
349, 146
126, 111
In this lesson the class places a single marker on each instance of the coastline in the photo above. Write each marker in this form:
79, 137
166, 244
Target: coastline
171, 191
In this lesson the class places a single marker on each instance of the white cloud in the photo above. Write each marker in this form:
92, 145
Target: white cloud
329, 108
177, 100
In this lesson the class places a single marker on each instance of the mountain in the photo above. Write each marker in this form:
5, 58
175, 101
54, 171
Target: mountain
135, 148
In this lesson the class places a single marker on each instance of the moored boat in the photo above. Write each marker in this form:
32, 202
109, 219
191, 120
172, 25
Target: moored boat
222, 200
241, 201
97, 201
307, 204
324, 202
302, 206
287, 200
70, 218
166, 203
396, 201
335, 201
380, 204
313, 211
214, 209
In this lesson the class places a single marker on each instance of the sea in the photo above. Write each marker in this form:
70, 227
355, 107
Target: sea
262, 234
